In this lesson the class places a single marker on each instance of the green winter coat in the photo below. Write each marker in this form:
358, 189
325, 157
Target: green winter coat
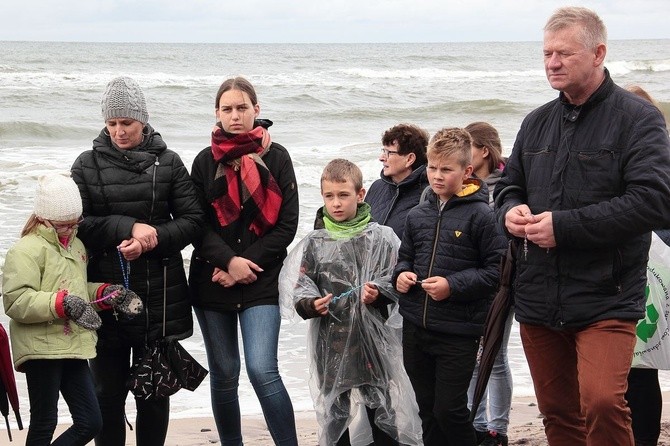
36, 268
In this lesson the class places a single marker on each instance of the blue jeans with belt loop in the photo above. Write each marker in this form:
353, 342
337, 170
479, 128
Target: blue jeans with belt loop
259, 326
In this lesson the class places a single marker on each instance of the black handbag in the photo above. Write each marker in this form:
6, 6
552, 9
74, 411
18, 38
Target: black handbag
188, 371
153, 376
166, 366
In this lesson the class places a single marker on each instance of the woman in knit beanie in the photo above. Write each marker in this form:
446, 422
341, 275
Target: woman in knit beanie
52, 310
140, 210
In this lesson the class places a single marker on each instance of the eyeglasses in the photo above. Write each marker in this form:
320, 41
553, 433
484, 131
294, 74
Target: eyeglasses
386, 152
65, 227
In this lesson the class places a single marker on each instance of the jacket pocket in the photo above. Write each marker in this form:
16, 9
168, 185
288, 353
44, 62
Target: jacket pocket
594, 176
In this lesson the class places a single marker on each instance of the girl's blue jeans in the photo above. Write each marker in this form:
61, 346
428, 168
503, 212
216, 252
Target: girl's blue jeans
259, 327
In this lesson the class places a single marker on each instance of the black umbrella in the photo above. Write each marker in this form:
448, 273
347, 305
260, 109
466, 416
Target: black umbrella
495, 324
8, 389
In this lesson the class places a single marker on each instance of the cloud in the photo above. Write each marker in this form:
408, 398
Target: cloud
299, 21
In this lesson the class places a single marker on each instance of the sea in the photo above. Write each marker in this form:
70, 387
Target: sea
326, 101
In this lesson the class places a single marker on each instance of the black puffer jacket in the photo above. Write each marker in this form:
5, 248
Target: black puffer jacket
390, 202
220, 244
463, 243
602, 169
148, 184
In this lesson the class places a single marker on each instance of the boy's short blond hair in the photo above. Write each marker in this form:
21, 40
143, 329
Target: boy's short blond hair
451, 141
340, 171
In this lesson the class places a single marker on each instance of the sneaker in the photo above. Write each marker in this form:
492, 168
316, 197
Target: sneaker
494, 439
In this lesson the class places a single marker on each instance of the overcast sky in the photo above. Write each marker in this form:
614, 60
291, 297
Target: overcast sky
306, 21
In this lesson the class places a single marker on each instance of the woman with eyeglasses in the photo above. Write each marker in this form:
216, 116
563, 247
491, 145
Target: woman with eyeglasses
403, 176
140, 210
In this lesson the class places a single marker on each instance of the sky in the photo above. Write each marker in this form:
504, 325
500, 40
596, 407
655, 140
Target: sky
313, 21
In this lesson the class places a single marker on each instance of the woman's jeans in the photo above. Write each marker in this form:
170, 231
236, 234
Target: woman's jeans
260, 335
71, 377
111, 369
494, 408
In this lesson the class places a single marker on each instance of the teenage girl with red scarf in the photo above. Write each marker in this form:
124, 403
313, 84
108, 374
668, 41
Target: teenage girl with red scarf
247, 187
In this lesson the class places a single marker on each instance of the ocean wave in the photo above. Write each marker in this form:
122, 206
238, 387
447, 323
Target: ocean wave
438, 74
31, 129
622, 67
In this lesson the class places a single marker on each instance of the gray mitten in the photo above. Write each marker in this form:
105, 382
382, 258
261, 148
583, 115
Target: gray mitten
123, 300
80, 312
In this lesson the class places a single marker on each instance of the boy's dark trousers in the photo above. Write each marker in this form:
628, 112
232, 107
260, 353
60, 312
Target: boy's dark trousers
440, 367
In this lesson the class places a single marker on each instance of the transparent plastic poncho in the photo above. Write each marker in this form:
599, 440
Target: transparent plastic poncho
355, 351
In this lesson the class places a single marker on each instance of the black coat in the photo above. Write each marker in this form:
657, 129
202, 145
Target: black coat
602, 169
148, 184
390, 202
220, 244
463, 243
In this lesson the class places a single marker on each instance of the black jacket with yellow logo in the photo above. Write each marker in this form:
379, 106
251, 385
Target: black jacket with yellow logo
461, 242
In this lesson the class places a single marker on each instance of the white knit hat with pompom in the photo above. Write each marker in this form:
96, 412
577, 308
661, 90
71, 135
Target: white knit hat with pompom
57, 198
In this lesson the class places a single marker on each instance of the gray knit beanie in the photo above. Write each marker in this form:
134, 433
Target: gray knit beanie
123, 98
57, 198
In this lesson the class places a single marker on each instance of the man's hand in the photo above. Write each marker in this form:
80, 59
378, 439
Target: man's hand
516, 220
541, 231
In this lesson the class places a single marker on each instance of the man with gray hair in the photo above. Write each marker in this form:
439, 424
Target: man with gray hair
586, 182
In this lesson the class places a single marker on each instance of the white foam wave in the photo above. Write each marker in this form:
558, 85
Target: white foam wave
621, 67
439, 74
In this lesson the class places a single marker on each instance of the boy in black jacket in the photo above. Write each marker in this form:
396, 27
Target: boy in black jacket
447, 270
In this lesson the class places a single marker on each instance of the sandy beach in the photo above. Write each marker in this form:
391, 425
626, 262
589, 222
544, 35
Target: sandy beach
525, 428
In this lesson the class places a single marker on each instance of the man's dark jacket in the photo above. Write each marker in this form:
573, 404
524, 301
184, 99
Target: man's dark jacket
603, 170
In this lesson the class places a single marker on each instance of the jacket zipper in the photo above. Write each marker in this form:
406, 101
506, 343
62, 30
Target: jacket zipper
432, 262
386, 217
151, 214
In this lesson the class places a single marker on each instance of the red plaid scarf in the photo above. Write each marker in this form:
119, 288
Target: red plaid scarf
259, 192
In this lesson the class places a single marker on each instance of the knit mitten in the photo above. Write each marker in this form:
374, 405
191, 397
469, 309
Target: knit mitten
123, 300
80, 312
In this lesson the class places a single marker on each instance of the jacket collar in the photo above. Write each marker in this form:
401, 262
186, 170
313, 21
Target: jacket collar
413, 178
571, 112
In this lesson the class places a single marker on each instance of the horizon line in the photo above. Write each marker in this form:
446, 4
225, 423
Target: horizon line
299, 43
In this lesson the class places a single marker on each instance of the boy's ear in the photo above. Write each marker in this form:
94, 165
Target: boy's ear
361, 195
468, 171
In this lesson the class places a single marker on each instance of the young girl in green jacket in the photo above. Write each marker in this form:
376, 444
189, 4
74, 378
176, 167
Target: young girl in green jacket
53, 314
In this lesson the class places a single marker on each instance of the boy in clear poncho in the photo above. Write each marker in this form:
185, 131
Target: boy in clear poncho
356, 354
